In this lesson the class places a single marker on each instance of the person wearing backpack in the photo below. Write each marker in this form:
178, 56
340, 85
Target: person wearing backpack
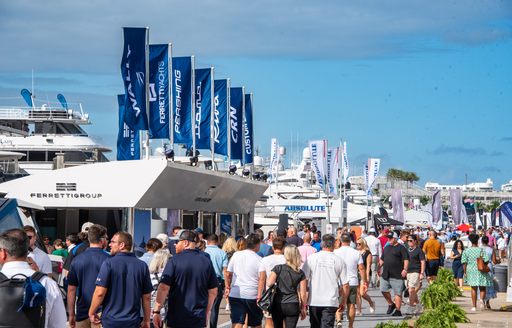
82, 277
19, 284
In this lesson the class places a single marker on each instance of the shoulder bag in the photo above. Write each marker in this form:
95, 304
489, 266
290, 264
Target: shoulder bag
267, 299
482, 266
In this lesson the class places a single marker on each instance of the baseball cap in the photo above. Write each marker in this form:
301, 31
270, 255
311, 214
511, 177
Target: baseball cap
163, 238
198, 230
86, 226
185, 234
372, 229
392, 235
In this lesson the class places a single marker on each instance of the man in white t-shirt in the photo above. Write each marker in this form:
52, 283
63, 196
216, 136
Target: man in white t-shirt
266, 266
328, 284
354, 264
41, 258
241, 285
376, 249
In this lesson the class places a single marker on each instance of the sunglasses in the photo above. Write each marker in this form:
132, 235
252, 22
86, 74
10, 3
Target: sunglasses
358, 244
409, 240
30, 237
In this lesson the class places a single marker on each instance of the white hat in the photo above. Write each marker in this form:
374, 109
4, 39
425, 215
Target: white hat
163, 238
86, 226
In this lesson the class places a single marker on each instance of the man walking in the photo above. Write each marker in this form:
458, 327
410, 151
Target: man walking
306, 249
415, 271
328, 282
123, 284
41, 258
190, 280
354, 264
394, 263
433, 252
14, 246
219, 260
376, 250
293, 238
242, 285
82, 277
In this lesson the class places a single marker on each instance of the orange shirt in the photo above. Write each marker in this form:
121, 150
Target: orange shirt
432, 249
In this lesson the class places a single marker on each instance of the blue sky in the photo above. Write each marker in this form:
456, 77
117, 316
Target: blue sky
424, 85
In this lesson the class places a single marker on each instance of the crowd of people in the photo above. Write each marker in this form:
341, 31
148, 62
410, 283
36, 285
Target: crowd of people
180, 280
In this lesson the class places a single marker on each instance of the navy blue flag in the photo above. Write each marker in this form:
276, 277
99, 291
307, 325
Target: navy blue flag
128, 143
248, 130
220, 117
182, 78
203, 113
506, 209
159, 102
236, 117
133, 71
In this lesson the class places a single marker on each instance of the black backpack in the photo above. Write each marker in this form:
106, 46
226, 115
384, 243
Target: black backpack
11, 298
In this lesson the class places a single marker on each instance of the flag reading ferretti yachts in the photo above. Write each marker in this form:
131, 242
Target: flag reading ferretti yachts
159, 92
134, 70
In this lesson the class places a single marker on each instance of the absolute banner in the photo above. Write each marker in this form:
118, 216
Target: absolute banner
318, 149
183, 99
220, 117
248, 130
128, 143
204, 106
236, 117
134, 68
159, 98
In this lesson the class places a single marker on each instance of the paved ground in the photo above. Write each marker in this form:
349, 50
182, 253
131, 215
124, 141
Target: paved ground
487, 318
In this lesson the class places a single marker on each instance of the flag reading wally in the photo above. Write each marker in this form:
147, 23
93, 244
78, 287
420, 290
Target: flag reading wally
333, 170
159, 99
437, 210
398, 205
220, 117
134, 68
204, 107
248, 130
236, 116
318, 149
183, 99
128, 143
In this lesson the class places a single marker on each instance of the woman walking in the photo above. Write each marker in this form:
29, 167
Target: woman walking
457, 268
363, 248
490, 291
290, 299
475, 278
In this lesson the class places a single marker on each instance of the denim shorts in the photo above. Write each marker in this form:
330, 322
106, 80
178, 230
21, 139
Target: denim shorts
397, 285
241, 307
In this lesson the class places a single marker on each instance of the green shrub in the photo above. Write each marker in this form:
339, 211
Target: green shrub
450, 288
445, 315
445, 275
434, 296
391, 324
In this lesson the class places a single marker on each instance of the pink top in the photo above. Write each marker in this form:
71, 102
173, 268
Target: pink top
305, 250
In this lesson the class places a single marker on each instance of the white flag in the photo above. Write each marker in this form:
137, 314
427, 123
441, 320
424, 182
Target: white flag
373, 171
344, 163
333, 171
318, 149
274, 158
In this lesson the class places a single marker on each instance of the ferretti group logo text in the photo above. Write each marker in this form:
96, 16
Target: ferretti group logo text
66, 190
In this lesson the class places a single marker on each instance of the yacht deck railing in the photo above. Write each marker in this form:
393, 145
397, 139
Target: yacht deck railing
42, 113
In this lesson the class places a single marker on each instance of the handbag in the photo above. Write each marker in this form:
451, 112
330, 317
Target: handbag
267, 299
482, 266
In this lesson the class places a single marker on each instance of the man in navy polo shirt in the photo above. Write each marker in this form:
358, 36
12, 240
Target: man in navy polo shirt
82, 276
191, 283
123, 283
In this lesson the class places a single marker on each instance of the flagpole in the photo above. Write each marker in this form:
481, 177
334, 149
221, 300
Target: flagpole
212, 116
146, 54
228, 105
242, 140
341, 222
193, 93
171, 93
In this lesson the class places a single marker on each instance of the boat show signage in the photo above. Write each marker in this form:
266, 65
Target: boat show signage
203, 114
183, 99
248, 130
220, 117
305, 208
318, 149
134, 68
236, 114
159, 99
65, 190
128, 141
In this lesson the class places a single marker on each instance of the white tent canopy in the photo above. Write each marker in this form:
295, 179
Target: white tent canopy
153, 183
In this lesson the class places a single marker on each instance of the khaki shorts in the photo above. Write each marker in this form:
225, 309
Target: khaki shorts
86, 324
413, 280
352, 295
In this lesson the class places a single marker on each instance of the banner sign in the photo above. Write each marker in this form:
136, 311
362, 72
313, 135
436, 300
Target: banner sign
128, 143
133, 71
183, 99
248, 130
437, 210
398, 205
456, 205
236, 116
506, 210
274, 159
318, 149
225, 223
203, 113
333, 170
373, 171
220, 117
344, 163
159, 100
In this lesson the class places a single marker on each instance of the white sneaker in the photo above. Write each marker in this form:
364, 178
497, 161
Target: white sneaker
372, 308
473, 309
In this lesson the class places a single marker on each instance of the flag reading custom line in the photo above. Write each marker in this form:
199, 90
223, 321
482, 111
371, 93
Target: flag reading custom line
183, 99
220, 117
128, 143
203, 114
159, 102
248, 130
236, 117
133, 70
